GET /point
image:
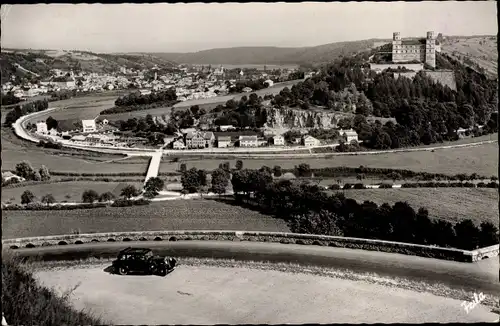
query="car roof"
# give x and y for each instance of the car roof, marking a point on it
(135, 251)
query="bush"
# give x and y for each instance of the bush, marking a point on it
(347, 186)
(385, 186)
(25, 302)
(127, 202)
(359, 186)
(27, 197)
(334, 187)
(90, 196)
(107, 196)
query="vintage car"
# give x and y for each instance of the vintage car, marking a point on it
(142, 260)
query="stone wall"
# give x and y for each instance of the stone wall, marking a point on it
(444, 77)
(379, 67)
(284, 238)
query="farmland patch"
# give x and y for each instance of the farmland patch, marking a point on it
(169, 215)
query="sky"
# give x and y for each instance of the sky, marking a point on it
(194, 27)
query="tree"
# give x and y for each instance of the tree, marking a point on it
(129, 191)
(48, 199)
(90, 196)
(277, 171)
(239, 164)
(488, 234)
(303, 170)
(467, 235)
(107, 196)
(44, 173)
(183, 167)
(27, 197)
(193, 179)
(51, 123)
(25, 170)
(220, 181)
(153, 186)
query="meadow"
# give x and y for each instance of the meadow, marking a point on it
(194, 214)
(451, 204)
(207, 104)
(482, 159)
(65, 191)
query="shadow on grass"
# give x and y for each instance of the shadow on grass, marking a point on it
(111, 270)
(230, 200)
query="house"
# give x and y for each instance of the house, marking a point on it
(269, 83)
(178, 144)
(9, 175)
(223, 141)
(349, 135)
(278, 140)
(200, 140)
(310, 141)
(209, 138)
(89, 126)
(53, 132)
(78, 138)
(247, 89)
(248, 141)
(41, 127)
(226, 127)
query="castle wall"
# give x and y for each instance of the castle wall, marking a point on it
(378, 67)
(444, 77)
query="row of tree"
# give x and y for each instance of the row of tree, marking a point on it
(25, 170)
(135, 98)
(22, 109)
(308, 209)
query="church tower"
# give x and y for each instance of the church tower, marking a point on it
(430, 49)
(396, 47)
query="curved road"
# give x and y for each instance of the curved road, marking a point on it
(478, 277)
(200, 294)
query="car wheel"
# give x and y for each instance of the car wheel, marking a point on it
(162, 271)
(122, 271)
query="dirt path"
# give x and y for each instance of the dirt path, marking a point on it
(209, 295)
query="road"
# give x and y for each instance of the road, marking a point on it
(215, 295)
(479, 277)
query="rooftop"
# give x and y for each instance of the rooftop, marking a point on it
(130, 250)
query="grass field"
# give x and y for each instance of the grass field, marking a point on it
(481, 159)
(168, 215)
(79, 108)
(451, 204)
(62, 189)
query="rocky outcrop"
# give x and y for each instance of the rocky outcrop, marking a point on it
(294, 118)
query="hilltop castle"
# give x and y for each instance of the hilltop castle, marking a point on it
(423, 50)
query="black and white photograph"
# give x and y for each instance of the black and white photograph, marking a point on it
(249, 163)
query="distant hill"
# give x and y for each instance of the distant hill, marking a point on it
(477, 52)
(29, 63)
(271, 55)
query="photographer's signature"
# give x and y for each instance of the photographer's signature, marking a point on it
(478, 298)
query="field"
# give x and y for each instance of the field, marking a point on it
(79, 108)
(484, 54)
(15, 150)
(481, 159)
(207, 104)
(65, 191)
(451, 204)
(194, 214)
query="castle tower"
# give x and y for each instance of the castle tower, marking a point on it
(396, 47)
(430, 49)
